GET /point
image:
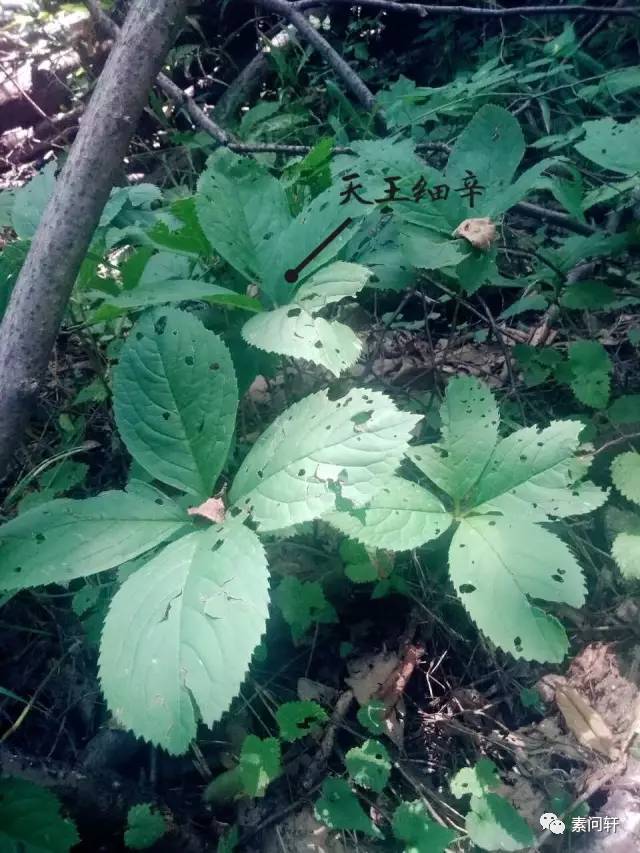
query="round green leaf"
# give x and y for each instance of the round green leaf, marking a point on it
(369, 765)
(30, 820)
(625, 472)
(420, 834)
(339, 808)
(145, 826)
(298, 719)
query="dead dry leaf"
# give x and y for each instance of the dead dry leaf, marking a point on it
(480, 232)
(368, 673)
(213, 509)
(584, 722)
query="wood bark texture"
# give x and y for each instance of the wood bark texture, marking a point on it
(43, 288)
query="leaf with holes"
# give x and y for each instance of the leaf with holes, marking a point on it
(298, 719)
(339, 808)
(317, 449)
(64, 539)
(476, 780)
(298, 331)
(175, 400)
(369, 765)
(419, 833)
(180, 633)
(500, 491)
(31, 820)
(612, 144)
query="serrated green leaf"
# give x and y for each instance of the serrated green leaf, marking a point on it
(400, 517)
(296, 330)
(470, 420)
(419, 833)
(180, 633)
(372, 716)
(591, 368)
(369, 765)
(31, 820)
(585, 295)
(625, 473)
(535, 472)
(517, 561)
(259, 764)
(291, 330)
(339, 808)
(612, 144)
(179, 290)
(625, 410)
(298, 719)
(316, 447)
(626, 548)
(145, 826)
(476, 780)
(303, 604)
(65, 539)
(494, 824)
(491, 148)
(238, 204)
(175, 400)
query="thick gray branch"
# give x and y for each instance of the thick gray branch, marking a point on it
(41, 293)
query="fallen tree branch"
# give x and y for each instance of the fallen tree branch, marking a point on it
(342, 68)
(425, 9)
(171, 90)
(41, 293)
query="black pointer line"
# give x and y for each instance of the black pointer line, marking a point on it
(293, 274)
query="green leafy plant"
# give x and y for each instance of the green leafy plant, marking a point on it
(181, 629)
(31, 820)
(145, 826)
(500, 492)
(492, 822)
(625, 473)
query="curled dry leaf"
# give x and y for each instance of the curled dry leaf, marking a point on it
(582, 720)
(213, 509)
(480, 232)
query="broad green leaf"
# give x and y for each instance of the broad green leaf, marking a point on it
(612, 144)
(339, 808)
(532, 302)
(535, 473)
(31, 820)
(291, 330)
(418, 831)
(497, 564)
(491, 148)
(331, 284)
(303, 604)
(239, 205)
(31, 200)
(65, 539)
(316, 448)
(229, 841)
(369, 765)
(494, 824)
(179, 290)
(145, 826)
(298, 719)
(295, 329)
(625, 549)
(175, 400)
(625, 410)
(511, 195)
(12, 258)
(625, 473)
(587, 295)
(180, 633)
(400, 516)
(591, 368)
(372, 716)
(426, 253)
(476, 780)
(259, 764)
(470, 419)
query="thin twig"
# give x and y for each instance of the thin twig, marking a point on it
(171, 90)
(424, 9)
(310, 34)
